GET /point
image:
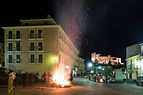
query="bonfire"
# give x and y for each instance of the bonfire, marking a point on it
(61, 76)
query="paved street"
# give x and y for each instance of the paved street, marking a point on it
(81, 87)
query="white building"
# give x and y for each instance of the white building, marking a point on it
(37, 45)
(134, 60)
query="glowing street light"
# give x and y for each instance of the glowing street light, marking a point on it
(92, 72)
(55, 59)
(99, 67)
(67, 66)
(90, 65)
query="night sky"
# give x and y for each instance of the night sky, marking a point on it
(109, 25)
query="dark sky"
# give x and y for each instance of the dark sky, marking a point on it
(111, 25)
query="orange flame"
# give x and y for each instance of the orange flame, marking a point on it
(61, 75)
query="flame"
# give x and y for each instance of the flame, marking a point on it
(61, 76)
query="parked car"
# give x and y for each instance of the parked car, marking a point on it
(111, 80)
(139, 81)
(100, 79)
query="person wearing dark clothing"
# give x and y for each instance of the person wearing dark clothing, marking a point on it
(44, 77)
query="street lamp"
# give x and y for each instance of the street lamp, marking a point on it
(55, 59)
(92, 71)
(90, 65)
(67, 66)
(99, 67)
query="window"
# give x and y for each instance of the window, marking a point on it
(32, 46)
(26, 24)
(40, 60)
(17, 46)
(18, 59)
(45, 23)
(10, 59)
(39, 33)
(40, 46)
(17, 34)
(9, 34)
(9, 46)
(32, 34)
(32, 58)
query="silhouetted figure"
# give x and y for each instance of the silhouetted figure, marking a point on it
(44, 77)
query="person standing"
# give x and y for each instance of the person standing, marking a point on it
(11, 77)
(44, 77)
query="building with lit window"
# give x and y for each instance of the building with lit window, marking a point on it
(134, 60)
(37, 45)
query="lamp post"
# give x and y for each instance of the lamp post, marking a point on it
(126, 73)
(91, 68)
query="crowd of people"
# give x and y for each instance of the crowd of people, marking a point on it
(27, 79)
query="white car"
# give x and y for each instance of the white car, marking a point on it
(111, 80)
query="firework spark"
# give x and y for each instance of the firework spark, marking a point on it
(72, 16)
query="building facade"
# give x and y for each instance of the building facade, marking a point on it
(2, 64)
(78, 69)
(37, 45)
(134, 60)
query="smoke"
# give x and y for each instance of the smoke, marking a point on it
(71, 15)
